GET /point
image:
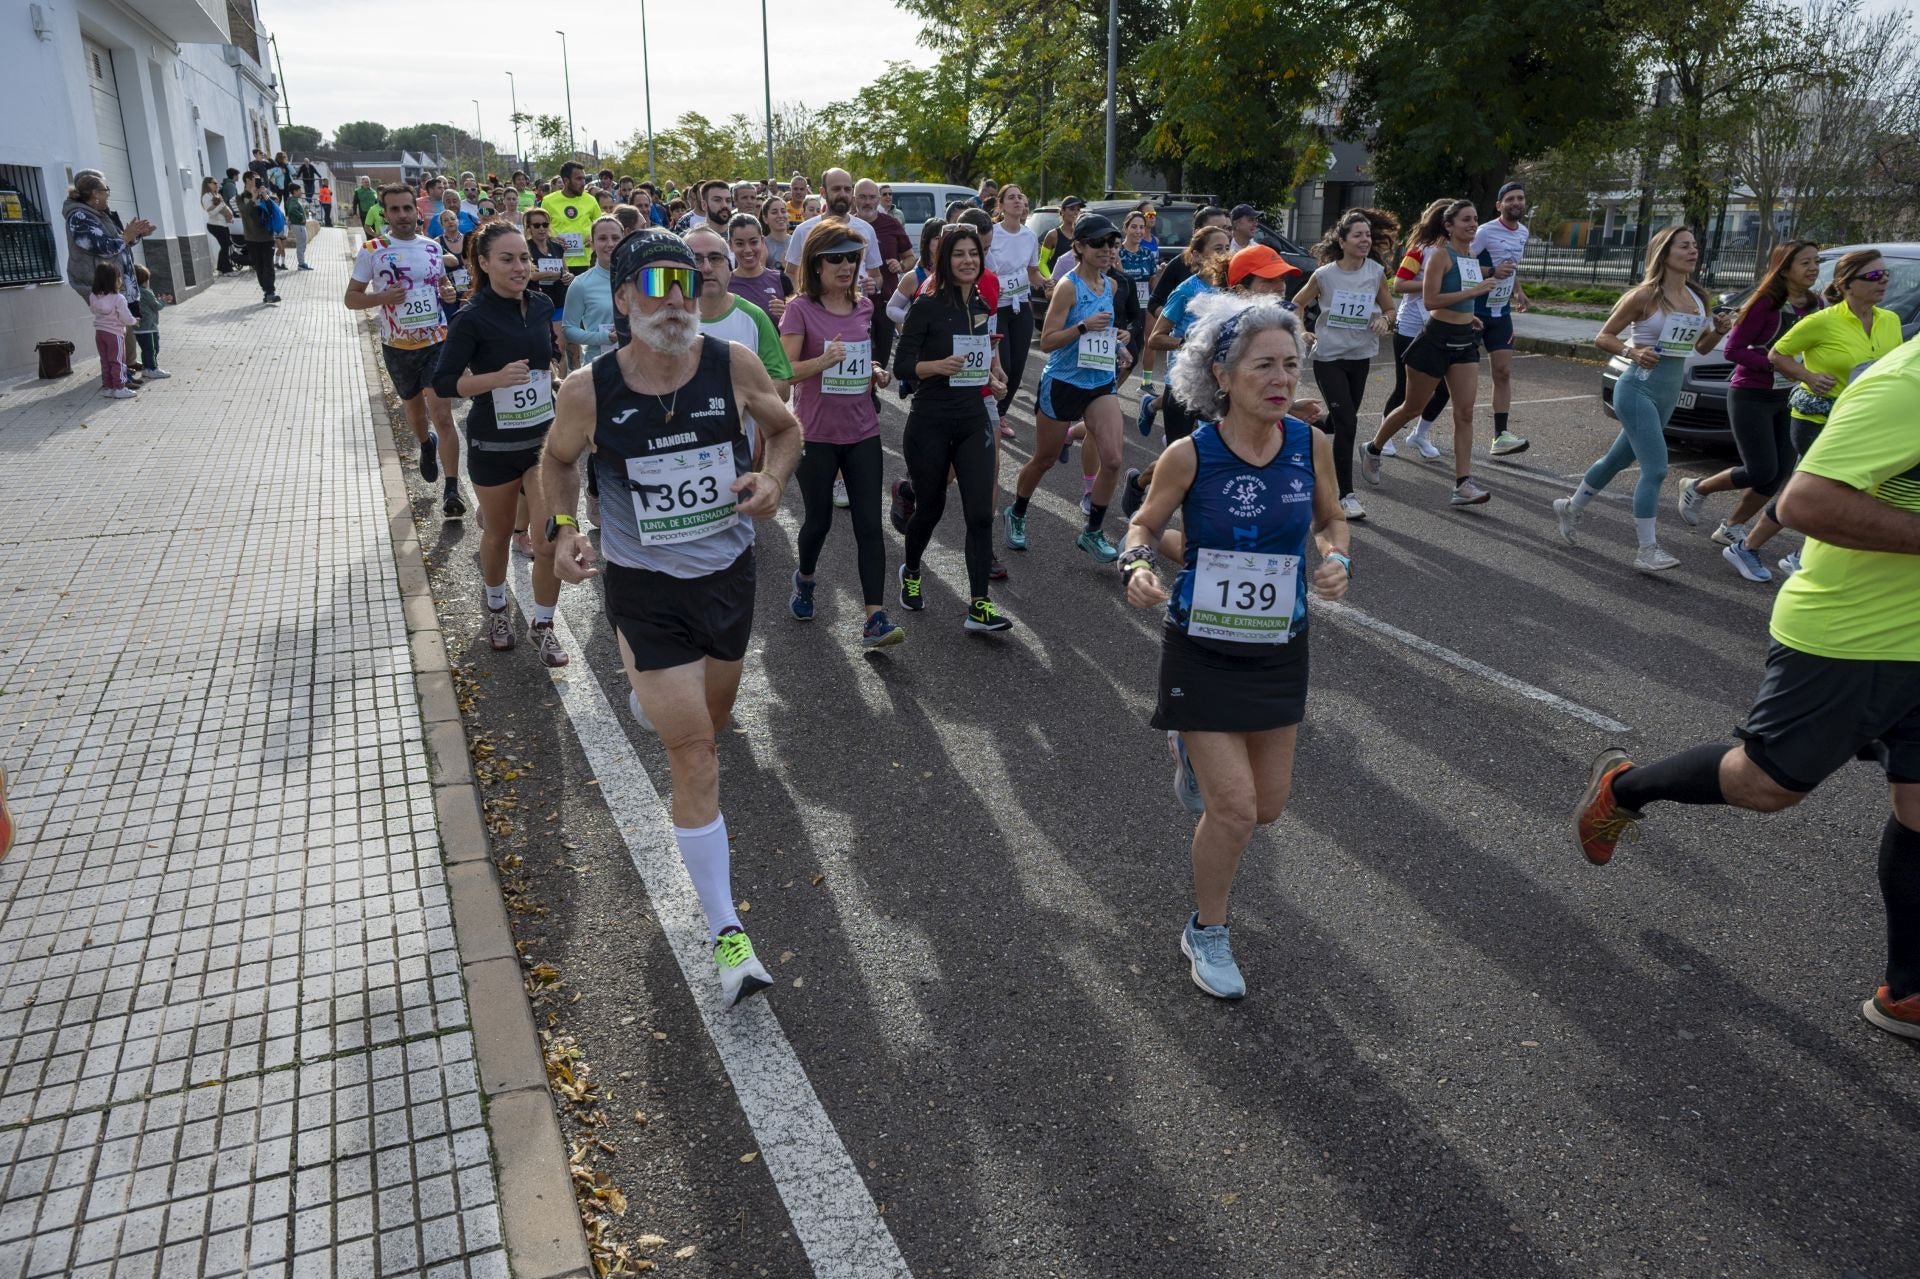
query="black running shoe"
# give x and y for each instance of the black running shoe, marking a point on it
(453, 506)
(910, 590)
(902, 508)
(430, 457)
(1131, 493)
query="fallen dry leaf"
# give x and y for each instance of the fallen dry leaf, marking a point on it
(685, 1253)
(749, 1157)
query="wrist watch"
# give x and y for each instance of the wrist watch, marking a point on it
(557, 522)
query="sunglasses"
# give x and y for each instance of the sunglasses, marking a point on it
(1104, 242)
(838, 259)
(538, 226)
(658, 281)
(1874, 277)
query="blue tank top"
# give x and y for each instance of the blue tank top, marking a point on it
(1450, 281)
(1064, 364)
(1234, 505)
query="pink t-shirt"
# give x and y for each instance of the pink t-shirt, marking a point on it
(831, 418)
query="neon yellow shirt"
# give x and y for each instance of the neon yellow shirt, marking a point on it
(1833, 341)
(1862, 605)
(573, 218)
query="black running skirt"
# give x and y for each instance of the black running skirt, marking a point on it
(1203, 690)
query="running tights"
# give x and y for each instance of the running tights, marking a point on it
(932, 443)
(1343, 384)
(1762, 431)
(1436, 403)
(1900, 891)
(861, 464)
(1016, 338)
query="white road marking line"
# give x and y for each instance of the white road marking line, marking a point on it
(833, 1212)
(1346, 612)
(1559, 399)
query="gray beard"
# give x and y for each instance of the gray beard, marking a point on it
(668, 333)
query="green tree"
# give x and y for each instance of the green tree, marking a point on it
(298, 139)
(546, 147)
(693, 150)
(1453, 100)
(361, 135)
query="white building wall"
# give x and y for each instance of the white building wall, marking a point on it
(180, 104)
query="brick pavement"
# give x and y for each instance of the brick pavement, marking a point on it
(233, 1033)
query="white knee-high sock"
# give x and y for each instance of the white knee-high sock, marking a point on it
(1583, 495)
(1647, 528)
(704, 850)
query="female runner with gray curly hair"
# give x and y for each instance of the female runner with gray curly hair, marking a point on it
(1252, 484)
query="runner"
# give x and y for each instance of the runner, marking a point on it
(1757, 406)
(499, 355)
(1013, 258)
(589, 320)
(1408, 282)
(730, 318)
(896, 255)
(796, 201)
(946, 350)
(404, 277)
(1843, 670)
(1670, 316)
(754, 278)
(838, 186)
(1252, 485)
(827, 335)
(1204, 264)
(552, 276)
(1351, 288)
(679, 577)
(1448, 349)
(1502, 242)
(570, 215)
(1172, 276)
(1058, 240)
(1825, 350)
(1138, 262)
(1245, 220)
(777, 229)
(1085, 359)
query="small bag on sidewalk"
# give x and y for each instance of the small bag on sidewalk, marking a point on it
(56, 358)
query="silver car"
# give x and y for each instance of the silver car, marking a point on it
(1700, 414)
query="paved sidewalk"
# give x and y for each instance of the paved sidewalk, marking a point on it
(233, 1033)
(1556, 335)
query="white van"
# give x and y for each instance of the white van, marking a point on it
(915, 202)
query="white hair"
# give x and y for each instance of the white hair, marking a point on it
(1191, 380)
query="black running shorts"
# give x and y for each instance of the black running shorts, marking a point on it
(1814, 714)
(670, 621)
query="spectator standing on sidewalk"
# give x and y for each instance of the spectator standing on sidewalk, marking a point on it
(297, 216)
(256, 222)
(146, 329)
(309, 178)
(95, 234)
(219, 213)
(111, 320)
(326, 201)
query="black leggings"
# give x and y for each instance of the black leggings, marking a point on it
(1436, 404)
(1343, 384)
(861, 463)
(1802, 434)
(1016, 338)
(260, 257)
(936, 439)
(1762, 430)
(223, 261)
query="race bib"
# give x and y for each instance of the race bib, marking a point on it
(1502, 292)
(684, 496)
(1469, 271)
(1143, 290)
(531, 404)
(550, 264)
(1350, 309)
(573, 242)
(420, 309)
(1014, 288)
(977, 350)
(1241, 597)
(853, 375)
(1096, 350)
(1680, 333)
(460, 277)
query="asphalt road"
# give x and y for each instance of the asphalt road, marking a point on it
(1464, 1052)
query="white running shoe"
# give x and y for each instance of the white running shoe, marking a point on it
(840, 493)
(1691, 500)
(1568, 515)
(1467, 493)
(1730, 534)
(1388, 450)
(1423, 443)
(1651, 559)
(1351, 508)
(119, 393)
(741, 973)
(1789, 564)
(156, 374)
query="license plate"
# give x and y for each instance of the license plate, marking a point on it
(1685, 401)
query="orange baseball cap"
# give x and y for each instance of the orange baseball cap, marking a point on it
(1260, 260)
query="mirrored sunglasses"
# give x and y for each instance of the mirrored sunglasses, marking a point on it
(658, 281)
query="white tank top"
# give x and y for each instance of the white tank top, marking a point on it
(1668, 330)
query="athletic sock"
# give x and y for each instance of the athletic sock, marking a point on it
(1648, 529)
(1691, 777)
(1426, 425)
(1373, 448)
(1499, 423)
(497, 597)
(1096, 516)
(1900, 890)
(704, 850)
(1019, 507)
(543, 614)
(1584, 494)
(453, 486)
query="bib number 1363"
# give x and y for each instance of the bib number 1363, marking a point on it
(684, 496)
(1244, 598)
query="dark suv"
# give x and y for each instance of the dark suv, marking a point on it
(1700, 415)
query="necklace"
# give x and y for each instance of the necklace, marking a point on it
(669, 409)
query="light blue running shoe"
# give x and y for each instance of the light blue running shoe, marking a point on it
(1016, 529)
(1186, 787)
(1095, 543)
(1747, 563)
(1211, 959)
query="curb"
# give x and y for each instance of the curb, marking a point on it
(538, 1213)
(1557, 346)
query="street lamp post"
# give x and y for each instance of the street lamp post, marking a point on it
(513, 96)
(766, 77)
(646, 80)
(568, 72)
(1113, 45)
(480, 138)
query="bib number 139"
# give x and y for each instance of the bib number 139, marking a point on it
(1243, 598)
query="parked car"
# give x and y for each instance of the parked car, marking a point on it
(1173, 226)
(915, 202)
(1700, 414)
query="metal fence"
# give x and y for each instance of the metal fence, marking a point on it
(1613, 265)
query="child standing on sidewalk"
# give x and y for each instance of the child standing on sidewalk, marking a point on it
(147, 331)
(111, 320)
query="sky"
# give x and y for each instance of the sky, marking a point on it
(408, 64)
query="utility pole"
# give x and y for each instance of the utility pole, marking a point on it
(479, 138)
(646, 81)
(766, 78)
(513, 96)
(281, 72)
(1113, 62)
(568, 72)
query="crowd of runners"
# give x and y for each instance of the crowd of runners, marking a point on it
(694, 352)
